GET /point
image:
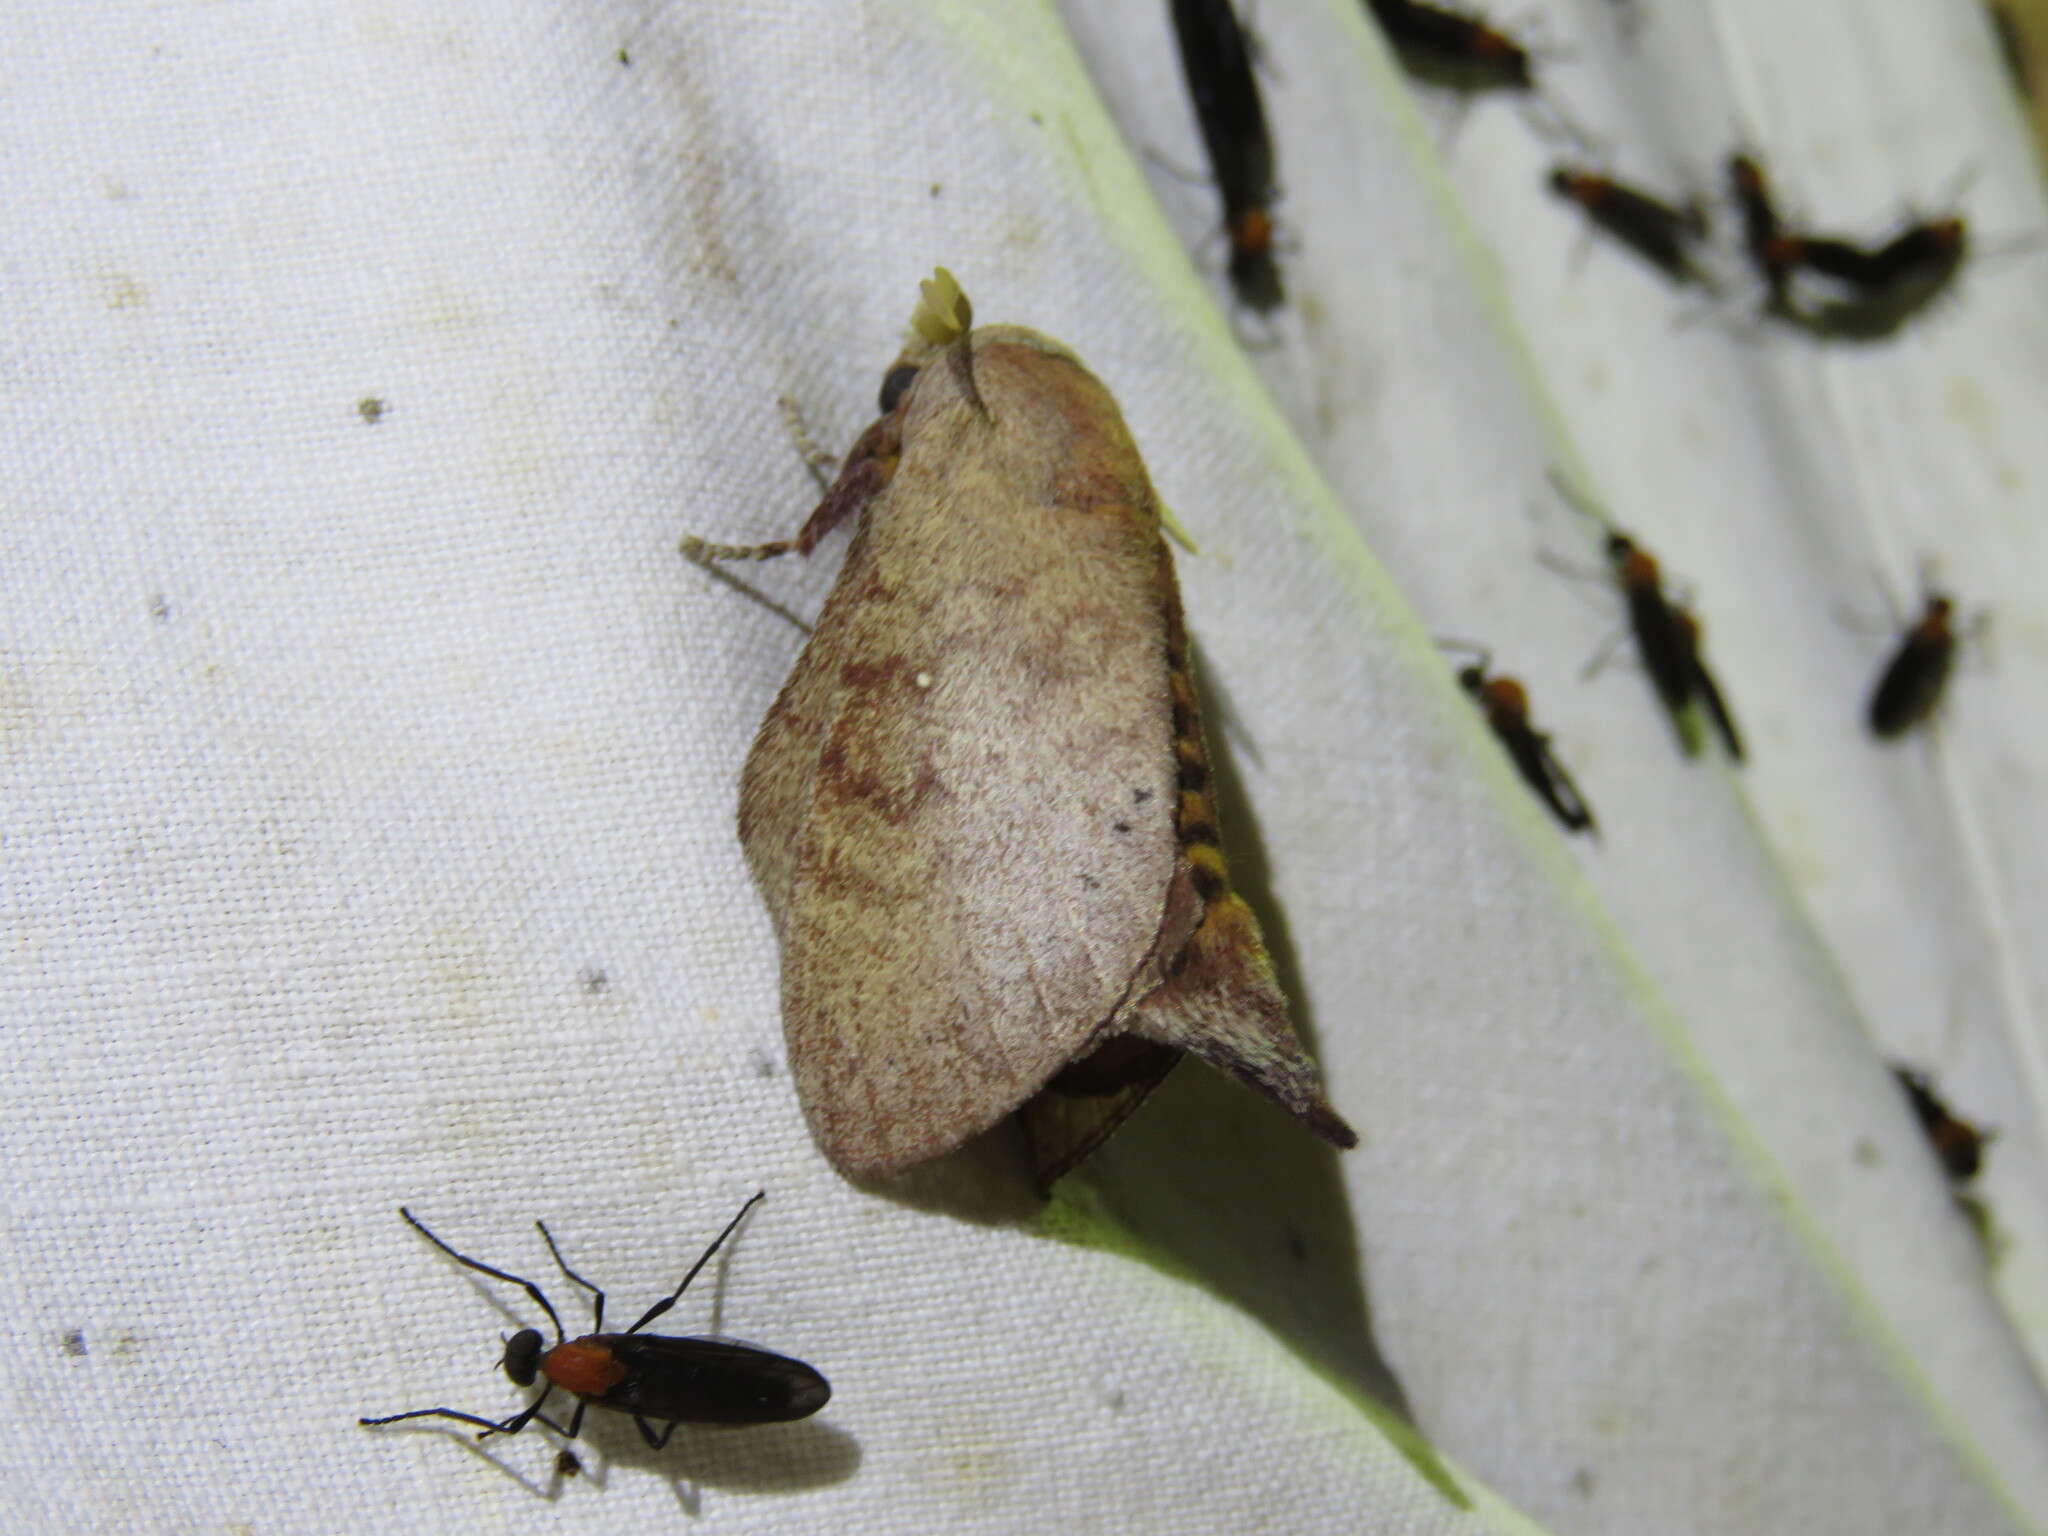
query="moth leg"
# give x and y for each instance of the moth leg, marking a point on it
(866, 472)
(702, 552)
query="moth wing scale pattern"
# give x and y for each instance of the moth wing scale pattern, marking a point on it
(977, 720)
(978, 810)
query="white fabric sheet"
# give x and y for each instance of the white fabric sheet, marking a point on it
(369, 770)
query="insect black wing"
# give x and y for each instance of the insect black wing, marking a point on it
(1925, 253)
(1661, 642)
(1717, 707)
(1958, 1144)
(1233, 119)
(710, 1381)
(1414, 25)
(1843, 260)
(1654, 230)
(1553, 785)
(1911, 685)
(1445, 47)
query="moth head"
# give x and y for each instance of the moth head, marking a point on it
(942, 316)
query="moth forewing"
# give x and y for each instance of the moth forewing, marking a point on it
(978, 811)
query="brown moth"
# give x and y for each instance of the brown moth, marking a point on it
(979, 811)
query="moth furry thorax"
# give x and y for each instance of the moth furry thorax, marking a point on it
(980, 811)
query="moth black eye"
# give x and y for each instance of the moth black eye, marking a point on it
(899, 380)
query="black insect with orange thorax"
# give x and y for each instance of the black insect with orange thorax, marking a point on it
(1446, 47)
(1505, 704)
(1847, 287)
(1959, 1144)
(1666, 632)
(1704, 686)
(1773, 250)
(653, 1377)
(980, 810)
(1662, 235)
(1921, 253)
(1912, 682)
(1218, 65)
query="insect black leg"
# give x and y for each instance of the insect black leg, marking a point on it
(647, 1433)
(484, 1269)
(524, 1417)
(548, 1238)
(669, 1300)
(511, 1426)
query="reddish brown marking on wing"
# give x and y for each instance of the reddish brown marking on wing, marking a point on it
(962, 918)
(893, 802)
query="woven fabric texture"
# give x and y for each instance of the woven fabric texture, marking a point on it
(368, 757)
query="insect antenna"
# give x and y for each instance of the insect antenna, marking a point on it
(539, 1296)
(532, 1411)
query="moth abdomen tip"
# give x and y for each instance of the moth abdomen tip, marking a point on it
(1331, 1127)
